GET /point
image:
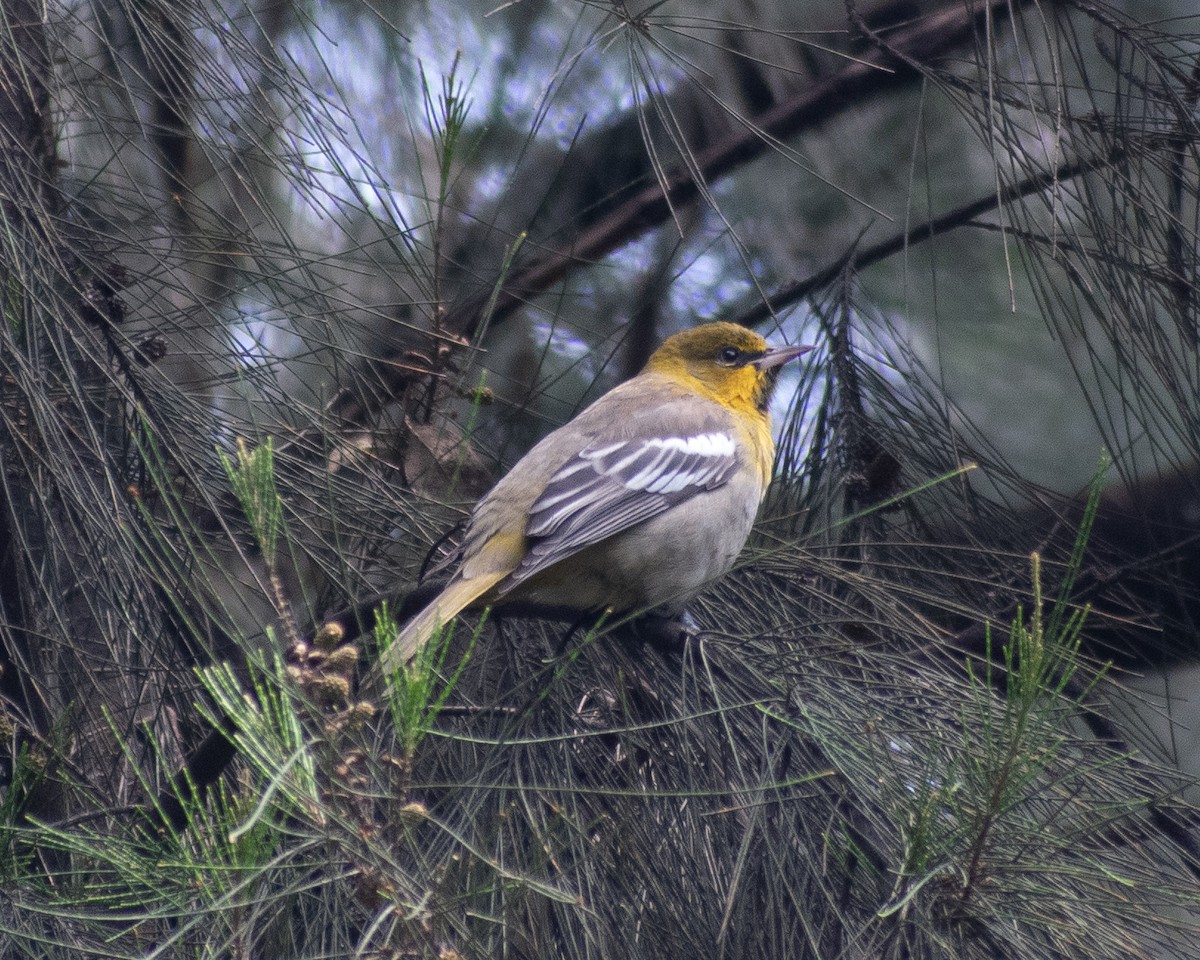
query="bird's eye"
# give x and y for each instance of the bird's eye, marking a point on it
(728, 356)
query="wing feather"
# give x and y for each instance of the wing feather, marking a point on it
(604, 490)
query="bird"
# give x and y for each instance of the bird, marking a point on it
(637, 503)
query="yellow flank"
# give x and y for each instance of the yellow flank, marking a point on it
(502, 553)
(763, 442)
(639, 501)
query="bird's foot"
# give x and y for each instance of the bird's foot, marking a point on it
(667, 632)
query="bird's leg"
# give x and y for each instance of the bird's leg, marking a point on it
(587, 623)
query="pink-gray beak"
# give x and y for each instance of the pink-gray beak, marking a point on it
(777, 356)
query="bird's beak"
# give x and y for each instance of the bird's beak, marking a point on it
(777, 356)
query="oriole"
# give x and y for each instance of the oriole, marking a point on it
(636, 503)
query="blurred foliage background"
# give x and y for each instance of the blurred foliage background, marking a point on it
(285, 287)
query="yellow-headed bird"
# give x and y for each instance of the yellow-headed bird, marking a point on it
(638, 502)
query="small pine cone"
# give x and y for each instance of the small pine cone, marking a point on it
(113, 276)
(314, 658)
(330, 689)
(99, 304)
(364, 708)
(330, 636)
(343, 660)
(361, 712)
(149, 350)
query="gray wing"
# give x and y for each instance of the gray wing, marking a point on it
(605, 489)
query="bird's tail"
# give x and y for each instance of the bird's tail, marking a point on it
(459, 595)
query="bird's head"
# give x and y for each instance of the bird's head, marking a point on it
(725, 361)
